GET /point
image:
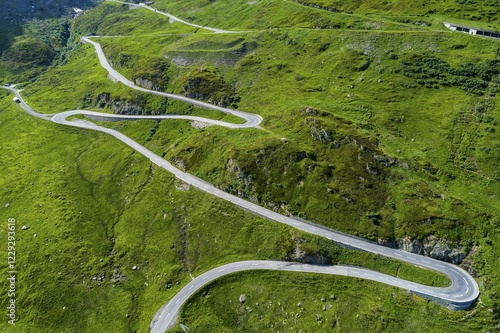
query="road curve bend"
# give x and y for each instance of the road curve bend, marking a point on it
(460, 294)
(167, 315)
(252, 120)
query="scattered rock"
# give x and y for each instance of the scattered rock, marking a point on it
(7, 205)
(319, 132)
(25, 227)
(312, 111)
(371, 170)
(243, 298)
(387, 161)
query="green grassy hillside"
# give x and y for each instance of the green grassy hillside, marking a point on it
(378, 122)
(34, 35)
(476, 10)
(94, 210)
(334, 14)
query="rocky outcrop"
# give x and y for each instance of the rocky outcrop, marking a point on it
(385, 160)
(241, 182)
(118, 106)
(125, 107)
(318, 132)
(439, 249)
(430, 246)
(467, 262)
(299, 255)
(311, 111)
(148, 84)
(209, 85)
(178, 162)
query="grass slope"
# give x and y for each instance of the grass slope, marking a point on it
(107, 207)
(373, 125)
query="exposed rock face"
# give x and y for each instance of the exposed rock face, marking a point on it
(297, 254)
(409, 245)
(178, 163)
(209, 85)
(439, 249)
(148, 84)
(118, 106)
(431, 246)
(125, 107)
(467, 262)
(241, 181)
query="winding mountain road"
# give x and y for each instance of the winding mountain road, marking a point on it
(174, 18)
(460, 294)
(252, 120)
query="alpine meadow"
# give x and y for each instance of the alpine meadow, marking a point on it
(374, 121)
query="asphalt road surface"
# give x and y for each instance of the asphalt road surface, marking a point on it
(252, 120)
(460, 294)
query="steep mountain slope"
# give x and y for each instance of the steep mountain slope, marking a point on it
(14, 13)
(377, 121)
(34, 34)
